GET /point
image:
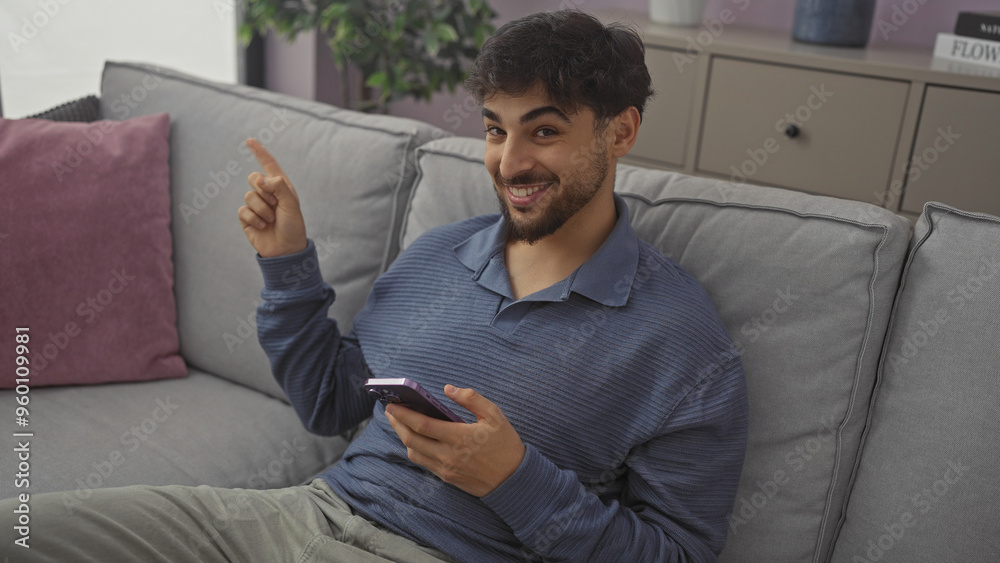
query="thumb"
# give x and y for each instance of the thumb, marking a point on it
(472, 402)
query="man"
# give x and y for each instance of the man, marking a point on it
(604, 404)
(625, 446)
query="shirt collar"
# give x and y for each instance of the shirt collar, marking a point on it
(606, 277)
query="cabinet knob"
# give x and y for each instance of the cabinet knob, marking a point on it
(792, 131)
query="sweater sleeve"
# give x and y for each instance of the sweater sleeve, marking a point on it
(320, 370)
(679, 488)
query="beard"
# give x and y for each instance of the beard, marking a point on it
(560, 202)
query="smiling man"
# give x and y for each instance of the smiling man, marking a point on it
(604, 404)
(624, 444)
(551, 173)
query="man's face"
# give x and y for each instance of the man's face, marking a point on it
(546, 165)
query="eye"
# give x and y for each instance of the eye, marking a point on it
(494, 131)
(546, 132)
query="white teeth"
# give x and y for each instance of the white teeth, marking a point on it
(524, 192)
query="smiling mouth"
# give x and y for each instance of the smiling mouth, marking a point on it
(522, 196)
(524, 192)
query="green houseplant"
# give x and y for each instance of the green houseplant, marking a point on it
(411, 48)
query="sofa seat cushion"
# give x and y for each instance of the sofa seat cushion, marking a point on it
(928, 485)
(804, 285)
(352, 172)
(202, 430)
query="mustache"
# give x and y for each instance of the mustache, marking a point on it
(524, 178)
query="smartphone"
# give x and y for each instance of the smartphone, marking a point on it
(410, 394)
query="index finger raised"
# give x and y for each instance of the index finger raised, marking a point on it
(267, 162)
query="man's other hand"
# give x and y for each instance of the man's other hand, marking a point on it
(272, 218)
(476, 457)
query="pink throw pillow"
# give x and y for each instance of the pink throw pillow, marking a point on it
(86, 251)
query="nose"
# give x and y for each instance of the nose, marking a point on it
(516, 157)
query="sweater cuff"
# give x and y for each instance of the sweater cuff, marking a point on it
(291, 271)
(529, 499)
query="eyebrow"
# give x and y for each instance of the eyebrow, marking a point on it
(531, 115)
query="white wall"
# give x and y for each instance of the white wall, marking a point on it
(53, 51)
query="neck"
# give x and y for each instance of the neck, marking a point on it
(533, 267)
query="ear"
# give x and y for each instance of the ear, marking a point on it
(626, 127)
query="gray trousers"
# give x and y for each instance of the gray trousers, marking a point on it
(204, 524)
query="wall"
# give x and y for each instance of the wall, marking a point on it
(458, 113)
(896, 22)
(900, 22)
(52, 51)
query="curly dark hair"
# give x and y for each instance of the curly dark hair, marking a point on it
(578, 60)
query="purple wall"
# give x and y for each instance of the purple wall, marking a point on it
(909, 22)
(458, 113)
(901, 22)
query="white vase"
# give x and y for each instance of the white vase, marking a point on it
(676, 12)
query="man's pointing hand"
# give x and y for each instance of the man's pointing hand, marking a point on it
(272, 218)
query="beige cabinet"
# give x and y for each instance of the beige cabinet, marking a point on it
(665, 120)
(887, 125)
(956, 154)
(822, 132)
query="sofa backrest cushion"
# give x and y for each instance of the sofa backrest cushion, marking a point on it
(351, 171)
(927, 487)
(803, 283)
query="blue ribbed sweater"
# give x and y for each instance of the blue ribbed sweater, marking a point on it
(628, 395)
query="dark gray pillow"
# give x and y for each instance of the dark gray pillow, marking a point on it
(85, 109)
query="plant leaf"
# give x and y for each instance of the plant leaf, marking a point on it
(446, 32)
(378, 80)
(404, 48)
(432, 43)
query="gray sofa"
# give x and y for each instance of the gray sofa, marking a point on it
(870, 347)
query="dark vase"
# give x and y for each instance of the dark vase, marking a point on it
(846, 23)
